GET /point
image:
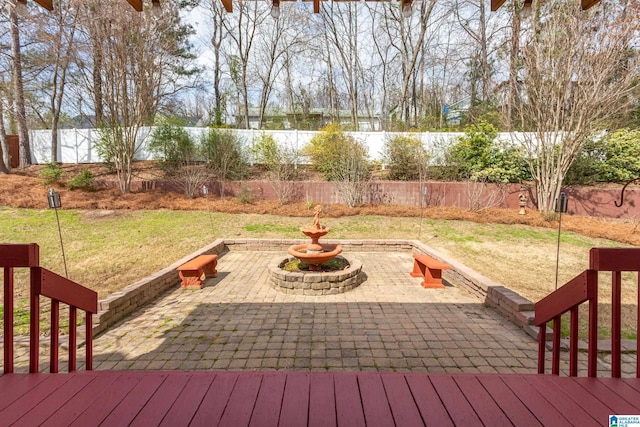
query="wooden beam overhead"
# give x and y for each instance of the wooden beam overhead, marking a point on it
(586, 4)
(137, 4)
(47, 4)
(227, 5)
(496, 4)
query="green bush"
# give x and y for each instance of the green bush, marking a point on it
(180, 158)
(613, 158)
(332, 150)
(173, 147)
(280, 163)
(406, 158)
(477, 156)
(587, 166)
(224, 154)
(82, 181)
(622, 156)
(51, 173)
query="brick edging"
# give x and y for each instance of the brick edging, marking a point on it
(508, 303)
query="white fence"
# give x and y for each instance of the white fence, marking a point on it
(78, 145)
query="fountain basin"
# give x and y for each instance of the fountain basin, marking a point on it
(315, 282)
(315, 254)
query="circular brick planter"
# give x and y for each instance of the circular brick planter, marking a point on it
(315, 282)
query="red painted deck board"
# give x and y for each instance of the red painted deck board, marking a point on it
(618, 404)
(18, 385)
(295, 404)
(374, 401)
(429, 404)
(45, 409)
(32, 398)
(215, 401)
(267, 409)
(242, 401)
(458, 407)
(135, 400)
(187, 403)
(532, 399)
(160, 402)
(584, 398)
(68, 412)
(348, 404)
(300, 398)
(403, 408)
(322, 401)
(480, 400)
(624, 390)
(512, 405)
(560, 401)
(108, 401)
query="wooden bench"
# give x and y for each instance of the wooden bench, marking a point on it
(191, 272)
(430, 269)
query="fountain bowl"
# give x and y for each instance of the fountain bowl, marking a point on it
(315, 254)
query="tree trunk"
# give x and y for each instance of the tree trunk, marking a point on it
(514, 64)
(18, 88)
(4, 146)
(98, 99)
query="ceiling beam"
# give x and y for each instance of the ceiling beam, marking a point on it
(137, 4)
(47, 4)
(586, 4)
(227, 5)
(495, 4)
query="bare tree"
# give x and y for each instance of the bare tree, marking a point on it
(482, 30)
(58, 38)
(18, 86)
(580, 70)
(4, 146)
(407, 36)
(340, 26)
(279, 39)
(143, 59)
(514, 63)
(217, 38)
(242, 29)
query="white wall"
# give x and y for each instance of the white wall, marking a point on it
(78, 145)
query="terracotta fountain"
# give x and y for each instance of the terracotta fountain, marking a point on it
(314, 254)
(315, 280)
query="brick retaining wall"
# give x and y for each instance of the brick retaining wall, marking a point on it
(597, 201)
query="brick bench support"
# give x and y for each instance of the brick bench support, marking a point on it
(191, 272)
(429, 268)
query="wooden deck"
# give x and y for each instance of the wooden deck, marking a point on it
(210, 398)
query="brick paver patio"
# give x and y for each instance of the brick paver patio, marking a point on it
(389, 323)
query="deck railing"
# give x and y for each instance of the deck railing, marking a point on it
(60, 290)
(584, 288)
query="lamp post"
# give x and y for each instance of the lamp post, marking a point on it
(54, 203)
(561, 207)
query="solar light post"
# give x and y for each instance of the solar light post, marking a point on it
(54, 203)
(561, 207)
